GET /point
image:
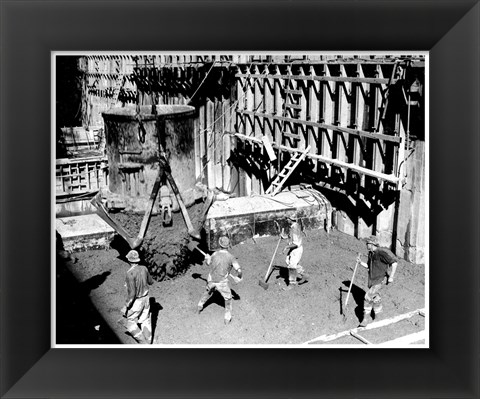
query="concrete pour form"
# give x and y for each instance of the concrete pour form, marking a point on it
(255, 216)
(80, 233)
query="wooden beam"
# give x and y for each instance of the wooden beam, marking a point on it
(390, 178)
(318, 78)
(413, 62)
(406, 339)
(356, 132)
(375, 324)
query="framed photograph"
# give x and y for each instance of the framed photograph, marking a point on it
(268, 184)
(187, 167)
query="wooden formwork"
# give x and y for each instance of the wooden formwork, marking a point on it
(80, 175)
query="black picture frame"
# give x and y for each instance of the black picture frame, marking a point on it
(31, 30)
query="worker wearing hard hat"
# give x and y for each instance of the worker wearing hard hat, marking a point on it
(381, 265)
(222, 263)
(137, 306)
(294, 249)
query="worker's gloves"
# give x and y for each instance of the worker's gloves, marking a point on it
(390, 280)
(208, 258)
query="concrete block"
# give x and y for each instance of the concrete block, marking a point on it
(250, 217)
(80, 233)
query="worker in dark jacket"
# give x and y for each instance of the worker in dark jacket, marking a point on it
(381, 265)
(137, 306)
(222, 263)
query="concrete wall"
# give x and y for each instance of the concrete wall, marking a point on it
(411, 228)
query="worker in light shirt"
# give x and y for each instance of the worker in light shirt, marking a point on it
(222, 262)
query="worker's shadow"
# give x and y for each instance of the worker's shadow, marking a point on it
(357, 294)
(155, 308)
(282, 273)
(94, 282)
(121, 246)
(216, 297)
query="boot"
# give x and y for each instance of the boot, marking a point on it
(228, 311)
(364, 321)
(303, 279)
(291, 285)
(376, 314)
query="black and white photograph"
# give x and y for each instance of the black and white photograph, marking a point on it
(240, 199)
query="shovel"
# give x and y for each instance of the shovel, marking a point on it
(264, 283)
(350, 286)
(194, 245)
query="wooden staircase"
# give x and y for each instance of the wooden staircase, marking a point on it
(282, 177)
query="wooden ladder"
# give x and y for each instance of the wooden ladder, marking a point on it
(282, 177)
(292, 106)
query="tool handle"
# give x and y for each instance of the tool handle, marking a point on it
(351, 282)
(181, 204)
(360, 338)
(148, 213)
(271, 262)
(199, 250)
(192, 246)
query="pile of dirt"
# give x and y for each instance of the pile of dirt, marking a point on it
(165, 247)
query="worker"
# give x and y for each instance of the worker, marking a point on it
(222, 262)
(166, 205)
(137, 306)
(294, 249)
(381, 265)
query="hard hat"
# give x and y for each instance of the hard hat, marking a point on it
(224, 241)
(133, 257)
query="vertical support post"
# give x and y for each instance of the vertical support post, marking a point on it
(315, 134)
(328, 115)
(210, 150)
(269, 99)
(258, 106)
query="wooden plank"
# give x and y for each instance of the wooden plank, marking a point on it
(319, 78)
(294, 106)
(375, 324)
(197, 152)
(357, 132)
(415, 62)
(210, 126)
(406, 339)
(292, 135)
(313, 103)
(365, 171)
